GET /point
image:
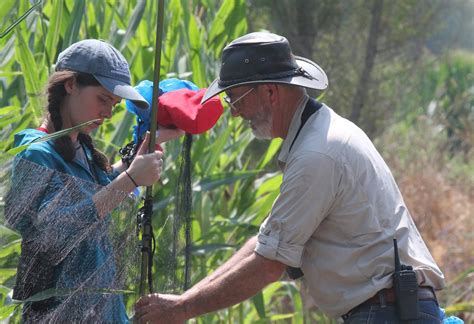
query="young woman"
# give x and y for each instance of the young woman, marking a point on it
(63, 191)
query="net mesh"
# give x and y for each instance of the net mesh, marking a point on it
(182, 224)
(80, 260)
(75, 266)
(173, 231)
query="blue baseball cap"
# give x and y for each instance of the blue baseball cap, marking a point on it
(105, 63)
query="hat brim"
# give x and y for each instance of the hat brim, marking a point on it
(123, 90)
(315, 79)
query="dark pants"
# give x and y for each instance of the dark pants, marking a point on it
(387, 314)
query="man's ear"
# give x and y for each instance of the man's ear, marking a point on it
(272, 92)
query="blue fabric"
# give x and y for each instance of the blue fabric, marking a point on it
(72, 242)
(450, 319)
(374, 314)
(145, 88)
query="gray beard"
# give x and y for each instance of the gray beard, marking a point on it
(263, 130)
(262, 123)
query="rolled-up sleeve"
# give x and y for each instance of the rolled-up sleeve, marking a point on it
(309, 189)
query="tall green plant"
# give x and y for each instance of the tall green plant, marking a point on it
(227, 204)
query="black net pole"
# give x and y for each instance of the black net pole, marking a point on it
(147, 231)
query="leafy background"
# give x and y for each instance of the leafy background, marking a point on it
(404, 71)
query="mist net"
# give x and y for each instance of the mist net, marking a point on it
(80, 260)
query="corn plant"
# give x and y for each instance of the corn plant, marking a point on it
(233, 188)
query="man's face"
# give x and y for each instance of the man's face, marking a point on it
(246, 103)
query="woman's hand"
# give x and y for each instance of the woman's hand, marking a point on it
(146, 168)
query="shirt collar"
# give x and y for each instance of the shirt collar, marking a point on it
(294, 126)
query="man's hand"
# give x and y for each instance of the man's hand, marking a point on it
(159, 308)
(164, 134)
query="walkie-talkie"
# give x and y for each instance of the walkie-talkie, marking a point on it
(405, 284)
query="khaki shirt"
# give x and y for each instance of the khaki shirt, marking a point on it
(338, 211)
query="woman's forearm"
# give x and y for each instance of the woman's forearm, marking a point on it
(110, 196)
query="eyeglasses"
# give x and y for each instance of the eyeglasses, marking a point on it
(232, 103)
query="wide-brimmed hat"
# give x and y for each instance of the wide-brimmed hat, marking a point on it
(264, 58)
(105, 63)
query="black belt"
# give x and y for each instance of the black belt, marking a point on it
(387, 296)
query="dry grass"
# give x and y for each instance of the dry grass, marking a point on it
(438, 187)
(443, 212)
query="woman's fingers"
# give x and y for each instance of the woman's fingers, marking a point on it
(143, 149)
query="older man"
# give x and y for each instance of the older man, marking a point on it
(337, 214)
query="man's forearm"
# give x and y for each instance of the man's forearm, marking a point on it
(245, 251)
(235, 282)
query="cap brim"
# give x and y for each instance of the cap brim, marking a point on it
(123, 90)
(315, 79)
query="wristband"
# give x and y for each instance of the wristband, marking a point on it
(136, 185)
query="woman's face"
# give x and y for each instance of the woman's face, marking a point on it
(85, 103)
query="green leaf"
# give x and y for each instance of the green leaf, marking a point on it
(8, 110)
(195, 43)
(5, 8)
(72, 33)
(3, 292)
(6, 274)
(54, 29)
(7, 311)
(280, 317)
(259, 304)
(223, 179)
(269, 183)
(124, 123)
(52, 292)
(7, 235)
(133, 23)
(10, 248)
(50, 137)
(161, 204)
(172, 36)
(216, 150)
(10, 74)
(229, 23)
(270, 153)
(218, 31)
(30, 74)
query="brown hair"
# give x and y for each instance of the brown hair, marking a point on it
(56, 92)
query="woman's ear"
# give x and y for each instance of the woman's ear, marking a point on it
(70, 86)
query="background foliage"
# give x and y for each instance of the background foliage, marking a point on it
(389, 71)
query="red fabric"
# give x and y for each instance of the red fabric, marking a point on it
(182, 109)
(42, 129)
